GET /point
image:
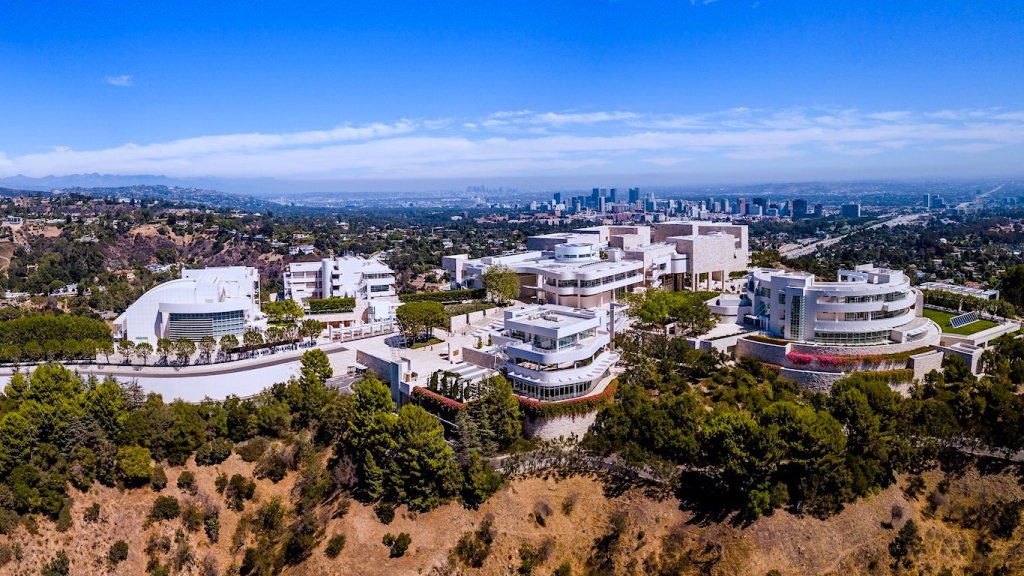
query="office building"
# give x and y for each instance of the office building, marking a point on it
(799, 209)
(850, 210)
(343, 276)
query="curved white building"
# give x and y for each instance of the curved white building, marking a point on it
(203, 302)
(868, 319)
(864, 306)
(555, 352)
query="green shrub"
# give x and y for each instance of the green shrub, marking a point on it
(239, 489)
(158, 478)
(385, 512)
(214, 452)
(187, 482)
(118, 552)
(59, 566)
(211, 523)
(333, 304)
(220, 483)
(92, 513)
(133, 464)
(474, 547)
(192, 517)
(272, 465)
(6, 554)
(64, 520)
(335, 545)
(398, 544)
(447, 296)
(252, 450)
(165, 508)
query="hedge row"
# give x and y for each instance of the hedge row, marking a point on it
(333, 304)
(41, 328)
(445, 296)
(884, 376)
(437, 403)
(967, 303)
(537, 409)
(453, 310)
(766, 339)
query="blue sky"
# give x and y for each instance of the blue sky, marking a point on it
(727, 89)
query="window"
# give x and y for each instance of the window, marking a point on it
(796, 321)
(852, 338)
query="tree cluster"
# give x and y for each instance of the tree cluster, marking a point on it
(743, 437)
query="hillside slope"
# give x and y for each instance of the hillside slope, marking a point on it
(579, 525)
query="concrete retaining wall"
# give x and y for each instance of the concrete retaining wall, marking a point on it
(811, 380)
(463, 320)
(924, 363)
(763, 351)
(481, 358)
(559, 426)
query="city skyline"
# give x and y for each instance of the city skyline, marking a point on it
(688, 93)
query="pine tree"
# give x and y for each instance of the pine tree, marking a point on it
(373, 477)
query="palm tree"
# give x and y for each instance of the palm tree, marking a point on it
(142, 351)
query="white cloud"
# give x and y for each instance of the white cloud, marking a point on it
(524, 143)
(123, 81)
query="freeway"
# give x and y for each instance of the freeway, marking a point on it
(798, 250)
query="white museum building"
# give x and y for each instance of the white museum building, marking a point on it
(554, 352)
(203, 302)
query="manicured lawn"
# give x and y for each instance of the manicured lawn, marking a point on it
(426, 343)
(942, 319)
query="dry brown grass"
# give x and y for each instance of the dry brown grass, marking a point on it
(6, 253)
(851, 543)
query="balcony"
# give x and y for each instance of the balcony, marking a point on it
(553, 378)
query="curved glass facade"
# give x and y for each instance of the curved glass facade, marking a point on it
(196, 325)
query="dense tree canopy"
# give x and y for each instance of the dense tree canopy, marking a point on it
(501, 283)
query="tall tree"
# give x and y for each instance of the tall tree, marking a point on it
(125, 347)
(184, 349)
(496, 414)
(207, 344)
(164, 348)
(142, 351)
(423, 472)
(1011, 286)
(501, 283)
(310, 328)
(373, 423)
